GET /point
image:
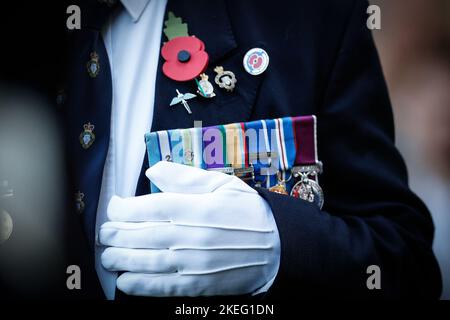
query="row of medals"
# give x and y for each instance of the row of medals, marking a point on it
(306, 186)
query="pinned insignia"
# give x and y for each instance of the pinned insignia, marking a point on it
(256, 61)
(205, 88)
(79, 203)
(185, 59)
(185, 56)
(93, 65)
(225, 79)
(87, 137)
(181, 98)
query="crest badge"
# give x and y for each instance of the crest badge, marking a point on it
(87, 136)
(93, 65)
(79, 203)
(225, 79)
(205, 88)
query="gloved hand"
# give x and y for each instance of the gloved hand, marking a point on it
(206, 233)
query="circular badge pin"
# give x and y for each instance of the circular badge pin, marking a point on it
(256, 61)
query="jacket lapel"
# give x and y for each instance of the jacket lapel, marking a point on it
(209, 21)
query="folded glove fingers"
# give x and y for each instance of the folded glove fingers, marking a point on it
(183, 261)
(232, 210)
(178, 178)
(246, 211)
(150, 235)
(198, 262)
(157, 235)
(228, 282)
(153, 207)
(139, 260)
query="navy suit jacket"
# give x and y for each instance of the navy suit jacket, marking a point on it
(323, 62)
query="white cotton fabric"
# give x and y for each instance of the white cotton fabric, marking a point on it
(132, 39)
(206, 233)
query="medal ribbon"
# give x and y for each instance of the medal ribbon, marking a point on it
(287, 148)
(306, 140)
(214, 153)
(290, 141)
(197, 146)
(235, 146)
(187, 147)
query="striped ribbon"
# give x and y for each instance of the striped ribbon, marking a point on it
(290, 141)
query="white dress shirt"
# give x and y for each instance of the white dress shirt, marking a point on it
(132, 38)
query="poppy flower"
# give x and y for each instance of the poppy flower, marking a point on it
(185, 58)
(255, 61)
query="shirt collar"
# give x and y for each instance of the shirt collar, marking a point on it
(135, 7)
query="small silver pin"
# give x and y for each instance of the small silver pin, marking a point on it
(181, 98)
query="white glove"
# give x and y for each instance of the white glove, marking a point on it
(206, 234)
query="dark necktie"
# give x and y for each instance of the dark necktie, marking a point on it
(89, 110)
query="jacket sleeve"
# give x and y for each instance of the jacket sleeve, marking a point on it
(370, 216)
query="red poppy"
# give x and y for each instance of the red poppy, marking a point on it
(255, 61)
(185, 58)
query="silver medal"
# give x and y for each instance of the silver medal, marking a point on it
(306, 188)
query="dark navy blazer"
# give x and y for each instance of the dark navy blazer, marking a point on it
(323, 62)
